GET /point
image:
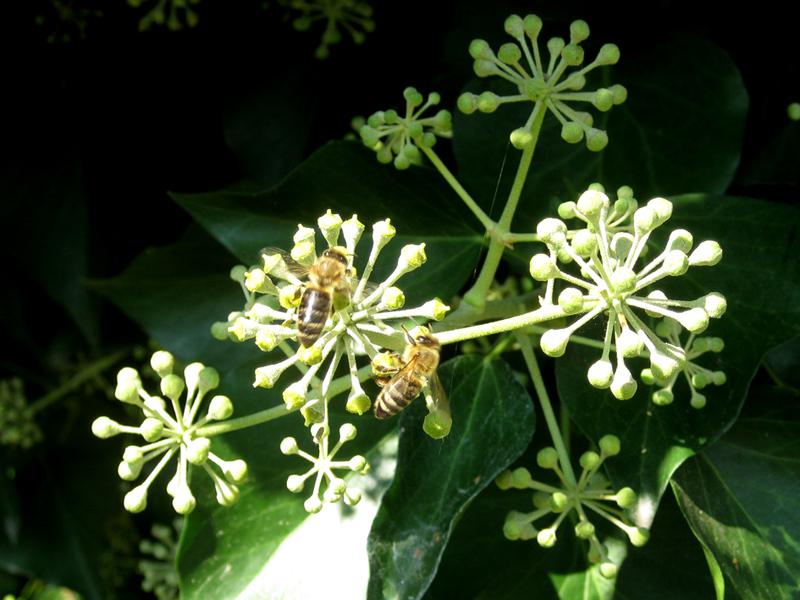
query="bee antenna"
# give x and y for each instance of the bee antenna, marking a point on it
(408, 335)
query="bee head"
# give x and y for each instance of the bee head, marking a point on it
(421, 336)
(338, 253)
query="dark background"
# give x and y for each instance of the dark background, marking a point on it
(96, 131)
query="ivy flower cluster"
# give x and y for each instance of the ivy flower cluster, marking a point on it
(357, 325)
(159, 574)
(17, 424)
(398, 138)
(547, 83)
(178, 435)
(353, 16)
(172, 13)
(606, 250)
(590, 495)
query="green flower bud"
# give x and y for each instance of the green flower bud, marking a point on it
(596, 139)
(566, 210)
(266, 340)
(629, 343)
(559, 502)
(384, 155)
(437, 424)
(191, 374)
(608, 55)
(484, 68)
(554, 341)
(578, 31)
(700, 380)
(572, 55)
(184, 502)
(664, 366)
(479, 49)
(697, 400)
(330, 224)
(154, 405)
(509, 53)
(644, 220)
(162, 363)
(584, 530)
(135, 501)
(514, 27)
(521, 478)
(172, 387)
(623, 280)
(663, 397)
(603, 99)
(600, 374)
(676, 263)
(294, 396)
(572, 133)
(132, 454)
(358, 402)
(352, 229)
(680, 239)
(219, 330)
(295, 483)
(542, 267)
(197, 450)
(625, 498)
(413, 97)
(608, 570)
(208, 379)
(623, 385)
(655, 295)
(241, 329)
(546, 538)
(289, 446)
(541, 500)
(609, 445)
(488, 102)
(638, 536)
(128, 471)
(357, 463)
(547, 458)
(401, 162)
(220, 408)
(555, 45)
(521, 138)
(382, 233)
(590, 460)
(793, 111)
(238, 273)
(104, 428)
(716, 344)
(571, 300)
(715, 304)
(434, 309)
(662, 207)
(428, 141)
(619, 94)
(235, 471)
(694, 320)
(128, 386)
(412, 256)
(409, 151)
(591, 203)
(370, 136)
(227, 495)
(532, 25)
(338, 486)
(467, 103)
(552, 232)
(584, 243)
(393, 298)
(268, 375)
(718, 378)
(151, 429)
(503, 481)
(707, 254)
(512, 529)
(352, 497)
(347, 432)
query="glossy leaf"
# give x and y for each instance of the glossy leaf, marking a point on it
(760, 277)
(347, 178)
(680, 130)
(742, 496)
(493, 422)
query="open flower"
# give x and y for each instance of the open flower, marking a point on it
(545, 81)
(173, 430)
(607, 252)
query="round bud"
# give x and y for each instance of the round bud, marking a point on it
(572, 55)
(509, 53)
(401, 162)
(135, 501)
(295, 483)
(793, 111)
(129, 471)
(554, 341)
(521, 138)
(609, 445)
(154, 405)
(584, 243)
(541, 500)
(718, 378)
(716, 344)
(638, 536)
(698, 400)
(559, 501)
(547, 458)
(584, 530)
(546, 538)
(104, 428)
(184, 502)
(384, 155)
(644, 220)
(608, 570)
(358, 402)
(623, 280)
(220, 408)
(662, 207)
(663, 366)
(715, 304)
(484, 68)
(352, 497)
(219, 330)
(162, 363)
(596, 139)
(132, 454)
(555, 45)
(619, 94)
(415, 129)
(694, 320)
(512, 529)
(503, 481)
(590, 460)
(680, 239)
(563, 256)
(413, 256)
(479, 49)
(197, 450)
(625, 498)
(707, 254)
(552, 232)
(227, 495)
(128, 386)
(467, 103)
(390, 116)
(700, 380)
(151, 429)
(629, 343)
(603, 99)
(663, 397)
(532, 25)
(572, 133)
(591, 203)
(521, 478)
(289, 446)
(172, 386)
(413, 97)
(542, 267)
(294, 396)
(514, 26)
(370, 136)
(347, 432)
(410, 151)
(623, 385)
(393, 298)
(208, 379)
(601, 373)
(428, 140)
(676, 263)
(235, 471)
(357, 463)
(608, 55)
(238, 273)
(570, 300)
(578, 31)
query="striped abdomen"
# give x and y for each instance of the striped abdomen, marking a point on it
(397, 394)
(314, 310)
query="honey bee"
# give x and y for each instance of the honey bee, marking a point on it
(419, 362)
(328, 284)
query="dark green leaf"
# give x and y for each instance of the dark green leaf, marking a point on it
(742, 497)
(778, 163)
(760, 277)
(679, 131)
(782, 361)
(346, 178)
(493, 422)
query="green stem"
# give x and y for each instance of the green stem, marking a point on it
(540, 315)
(485, 220)
(476, 295)
(88, 372)
(513, 238)
(547, 409)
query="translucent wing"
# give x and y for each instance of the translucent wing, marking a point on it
(438, 394)
(295, 268)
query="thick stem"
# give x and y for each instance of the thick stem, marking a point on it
(540, 315)
(547, 409)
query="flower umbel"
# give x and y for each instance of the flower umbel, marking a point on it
(590, 495)
(17, 424)
(392, 134)
(167, 12)
(548, 84)
(173, 432)
(607, 250)
(160, 576)
(354, 16)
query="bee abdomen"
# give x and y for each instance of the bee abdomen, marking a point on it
(314, 310)
(396, 396)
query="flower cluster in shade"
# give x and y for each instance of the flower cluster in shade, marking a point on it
(173, 428)
(175, 14)
(397, 137)
(546, 81)
(17, 424)
(159, 574)
(608, 250)
(365, 318)
(352, 16)
(64, 21)
(590, 496)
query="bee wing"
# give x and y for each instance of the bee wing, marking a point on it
(369, 287)
(295, 268)
(437, 390)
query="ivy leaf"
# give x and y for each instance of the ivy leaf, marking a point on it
(346, 178)
(778, 163)
(493, 422)
(681, 113)
(760, 277)
(742, 496)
